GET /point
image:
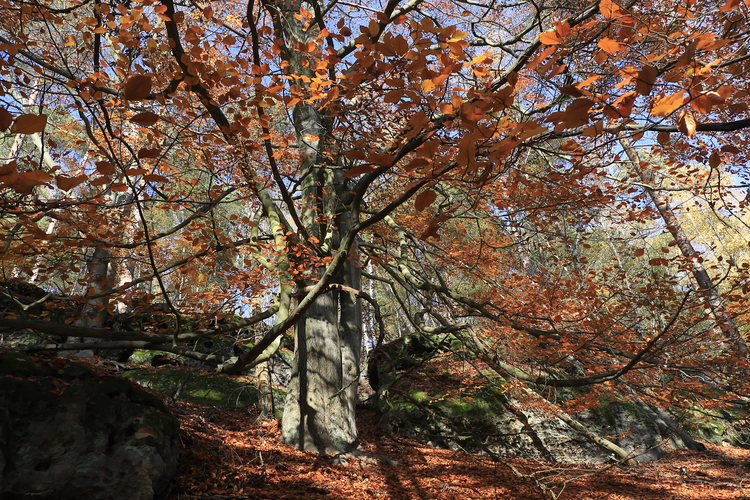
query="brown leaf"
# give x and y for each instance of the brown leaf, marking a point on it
(137, 87)
(714, 160)
(424, 199)
(67, 183)
(105, 167)
(155, 178)
(644, 82)
(29, 124)
(149, 153)
(686, 122)
(577, 113)
(145, 119)
(359, 170)
(5, 119)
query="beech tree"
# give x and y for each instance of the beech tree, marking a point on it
(462, 158)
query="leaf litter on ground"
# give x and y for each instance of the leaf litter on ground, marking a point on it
(236, 454)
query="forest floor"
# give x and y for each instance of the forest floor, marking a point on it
(234, 454)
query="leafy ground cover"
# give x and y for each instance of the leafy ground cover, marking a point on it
(234, 454)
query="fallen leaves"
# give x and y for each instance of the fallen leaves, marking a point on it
(235, 454)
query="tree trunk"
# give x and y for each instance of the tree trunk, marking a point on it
(319, 410)
(317, 416)
(94, 313)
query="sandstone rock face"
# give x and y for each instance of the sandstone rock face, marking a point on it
(70, 432)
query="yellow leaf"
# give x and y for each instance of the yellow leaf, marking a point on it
(458, 35)
(428, 86)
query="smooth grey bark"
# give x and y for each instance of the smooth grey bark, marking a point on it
(316, 414)
(319, 409)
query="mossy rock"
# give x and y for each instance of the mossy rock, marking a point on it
(197, 386)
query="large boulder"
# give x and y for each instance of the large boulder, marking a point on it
(68, 431)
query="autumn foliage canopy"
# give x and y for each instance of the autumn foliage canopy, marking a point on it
(559, 187)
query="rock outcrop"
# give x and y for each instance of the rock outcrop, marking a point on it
(68, 431)
(416, 399)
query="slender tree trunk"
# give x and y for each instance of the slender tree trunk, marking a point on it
(94, 313)
(710, 293)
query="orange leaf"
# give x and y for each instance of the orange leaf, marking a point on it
(425, 199)
(668, 104)
(550, 38)
(67, 183)
(729, 5)
(704, 103)
(625, 104)
(5, 119)
(609, 9)
(145, 119)
(644, 82)
(609, 45)
(137, 87)
(29, 124)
